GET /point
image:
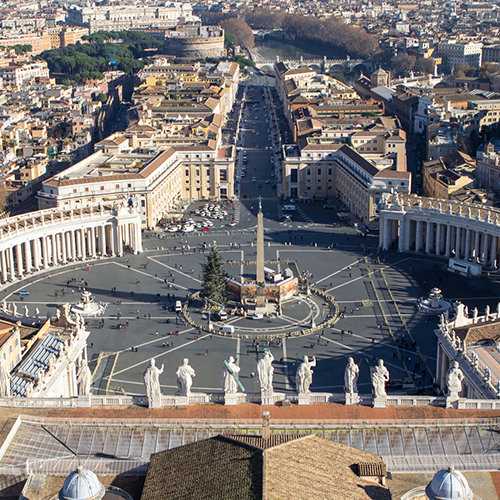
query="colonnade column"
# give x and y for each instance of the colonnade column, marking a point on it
(4, 265)
(138, 239)
(55, 255)
(493, 256)
(44, 252)
(428, 237)
(63, 247)
(102, 238)
(73, 245)
(484, 249)
(476, 247)
(78, 244)
(119, 240)
(11, 262)
(386, 243)
(27, 255)
(402, 235)
(84, 244)
(457, 243)
(448, 241)
(93, 242)
(418, 240)
(36, 253)
(19, 259)
(467, 244)
(438, 238)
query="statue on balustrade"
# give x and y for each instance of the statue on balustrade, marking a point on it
(379, 376)
(265, 372)
(303, 377)
(229, 374)
(185, 374)
(351, 375)
(84, 379)
(5, 377)
(454, 377)
(152, 382)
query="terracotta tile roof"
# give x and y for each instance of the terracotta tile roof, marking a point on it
(479, 331)
(283, 467)
(393, 174)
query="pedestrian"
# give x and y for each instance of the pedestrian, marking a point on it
(149, 315)
(156, 332)
(206, 352)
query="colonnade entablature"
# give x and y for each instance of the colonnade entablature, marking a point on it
(463, 231)
(55, 236)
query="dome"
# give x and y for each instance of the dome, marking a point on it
(82, 484)
(449, 484)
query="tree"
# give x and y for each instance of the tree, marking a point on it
(404, 62)
(102, 97)
(214, 278)
(463, 69)
(425, 65)
(462, 146)
(486, 69)
(243, 34)
(3, 197)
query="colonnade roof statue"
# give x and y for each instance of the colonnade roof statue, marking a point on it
(265, 371)
(379, 375)
(303, 377)
(185, 374)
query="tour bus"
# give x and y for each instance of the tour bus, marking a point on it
(178, 306)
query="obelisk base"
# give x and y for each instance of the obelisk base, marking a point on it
(260, 300)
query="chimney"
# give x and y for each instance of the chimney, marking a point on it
(265, 425)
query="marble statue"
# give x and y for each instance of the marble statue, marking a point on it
(486, 313)
(475, 314)
(152, 382)
(4, 305)
(14, 309)
(498, 310)
(29, 389)
(5, 377)
(487, 375)
(304, 375)
(454, 377)
(26, 311)
(351, 375)
(185, 374)
(379, 375)
(265, 372)
(84, 379)
(229, 385)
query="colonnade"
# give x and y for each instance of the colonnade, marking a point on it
(448, 229)
(53, 237)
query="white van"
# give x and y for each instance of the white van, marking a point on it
(222, 315)
(178, 306)
(227, 329)
(289, 208)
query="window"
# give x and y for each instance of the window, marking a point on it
(74, 191)
(17, 358)
(223, 175)
(86, 190)
(319, 171)
(16, 342)
(10, 349)
(330, 171)
(102, 188)
(129, 185)
(186, 172)
(294, 175)
(197, 172)
(117, 186)
(308, 171)
(208, 172)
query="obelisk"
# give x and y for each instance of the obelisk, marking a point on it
(260, 296)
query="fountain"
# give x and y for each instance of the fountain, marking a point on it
(86, 306)
(434, 304)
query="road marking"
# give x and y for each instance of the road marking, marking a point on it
(278, 259)
(238, 349)
(162, 354)
(336, 272)
(178, 271)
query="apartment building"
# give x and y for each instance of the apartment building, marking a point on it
(133, 166)
(488, 169)
(316, 168)
(455, 53)
(16, 75)
(10, 344)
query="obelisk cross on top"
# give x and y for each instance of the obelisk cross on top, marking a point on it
(260, 245)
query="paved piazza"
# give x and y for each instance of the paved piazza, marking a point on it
(352, 271)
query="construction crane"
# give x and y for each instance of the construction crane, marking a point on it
(112, 60)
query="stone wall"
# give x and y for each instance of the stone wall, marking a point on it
(195, 47)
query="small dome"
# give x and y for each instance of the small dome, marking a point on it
(449, 484)
(82, 484)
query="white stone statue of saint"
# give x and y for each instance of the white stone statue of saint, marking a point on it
(151, 378)
(379, 375)
(185, 374)
(84, 379)
(26, 311)
(304, 375)
(4, 305)
(454, 377)
(486, 313)
(265, 372)
(351, 375)
(5, 377)
(475, 314)
(229, 372)
(14, 309)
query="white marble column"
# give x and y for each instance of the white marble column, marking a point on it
(484, 249)
(476, 247)
(84, 243)
(93, 241)
(63, 247)
(494, 249)
(418, 238)
(72, 237)
(78, 244)
(55, 249)
(4, 266)
(386, 234)
(439, 227)
(113, 237)
(448, 240)
(11, 263)
(138, 238)
(457, 243)
(119, 240)
(102, 239)
(36, 253)
(428, 237)
(44, 252)
(19, 259)
(402, 235)
(27, 256)
(468, 237)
